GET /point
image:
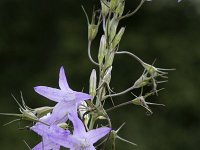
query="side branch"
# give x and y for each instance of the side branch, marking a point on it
(120, 93)
(89, 54)
(118, 106)
(132, 55)
(132, 13)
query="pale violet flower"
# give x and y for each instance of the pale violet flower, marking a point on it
(67, 98)
(80, 139)
(64, 93)
(44, 131)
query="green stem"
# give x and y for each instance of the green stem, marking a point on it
(89, 54)
(132, 13)
(118, 106)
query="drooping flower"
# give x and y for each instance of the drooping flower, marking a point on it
(80, 139)
(67, 98)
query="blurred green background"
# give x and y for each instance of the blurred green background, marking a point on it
(38, 36)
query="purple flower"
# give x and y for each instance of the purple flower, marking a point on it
(80, 140)
(46, 144)
(64, 93)
(67, 98)
(45, 131)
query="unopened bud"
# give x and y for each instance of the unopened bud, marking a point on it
(114, 135)
(92, 27)
(107, 75)
(113, 4)
(112, 29)
(118, 37)
(109, 58)
(155, 72)
(142, 81)
(83, 108)
(102, 49)
(120, 9)
(150, 69)
(41, 111)
(104, 7)
(92, 31)
(101, 117)
(139, 101)
(93, 82)
(63, 125)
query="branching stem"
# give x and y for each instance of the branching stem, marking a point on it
(132, 55)
(120, 93)
(132, 13)
(118, 106)
(89, 54)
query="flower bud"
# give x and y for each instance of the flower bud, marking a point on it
(92, 31)
(150, 69)
(102, 49)
(138, 101)
(141, 101)
(93, 82)
(142, 81)
(120, 9)
(101, 117)
(63, 125)
(104, 7)
(113, 4)
(41, 111)
(109, 59)
(118, 37)
(107, 75)
(26, 112)
(82, 110)
(112, 28)
(92, 27)
(114, 136)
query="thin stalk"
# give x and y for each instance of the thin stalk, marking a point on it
(133, 55)
(120, 93)
(118, 106)
(89, 54)
(132, 13)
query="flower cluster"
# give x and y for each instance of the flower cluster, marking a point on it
(51, 128)
(75, 119)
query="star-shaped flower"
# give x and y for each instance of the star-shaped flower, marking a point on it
(45, 131)
(67, 99)
(80, 140)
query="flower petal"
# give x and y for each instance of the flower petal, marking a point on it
(96, 134)
(90, 148)
(60, 136)
(63, 81)
(60, 111)
(46, 144)
(79, 129)
(50, 93)
(80, 97)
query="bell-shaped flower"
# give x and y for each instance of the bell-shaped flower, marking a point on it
(80, 140)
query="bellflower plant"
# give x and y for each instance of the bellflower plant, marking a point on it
(80, 121)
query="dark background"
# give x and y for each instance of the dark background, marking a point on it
(38, 36)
